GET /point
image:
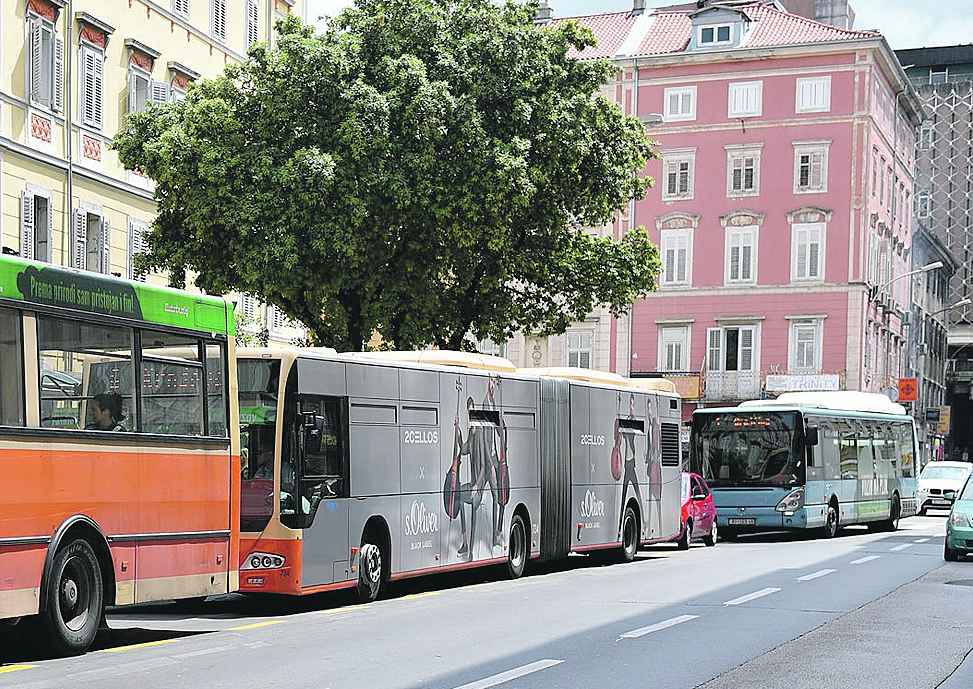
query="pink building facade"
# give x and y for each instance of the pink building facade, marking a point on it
(782, 203)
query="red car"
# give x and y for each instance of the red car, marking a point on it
(698, 512)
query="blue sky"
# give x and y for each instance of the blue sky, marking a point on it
(905, 23)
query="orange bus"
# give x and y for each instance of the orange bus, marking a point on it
(119, 432)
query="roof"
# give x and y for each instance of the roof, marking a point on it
(443, 357)
(668, 31)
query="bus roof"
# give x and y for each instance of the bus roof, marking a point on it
(576, 373)
(844, 400)
(660, 384)
(443, 357)
(82, 291)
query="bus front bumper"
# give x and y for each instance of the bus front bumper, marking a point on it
(762, 519)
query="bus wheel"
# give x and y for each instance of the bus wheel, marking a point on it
(684, 540)
(75, 599)
(630, 535)
(369, 571)
(892, 523)
(830, 527)
(516, 548)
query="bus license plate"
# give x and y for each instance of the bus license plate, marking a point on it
(742, 521)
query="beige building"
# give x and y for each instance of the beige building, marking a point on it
(70, 71)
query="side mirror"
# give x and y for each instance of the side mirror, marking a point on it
(313, 427)
(949, 494)
(810, 434)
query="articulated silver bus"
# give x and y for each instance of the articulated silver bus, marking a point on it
(359, 469)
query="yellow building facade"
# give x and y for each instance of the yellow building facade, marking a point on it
(70, 71)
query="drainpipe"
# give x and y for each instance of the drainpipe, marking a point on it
(68, 126)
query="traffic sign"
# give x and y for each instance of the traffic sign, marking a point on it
(908, 390)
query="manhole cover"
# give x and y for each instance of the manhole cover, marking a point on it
(961, 582)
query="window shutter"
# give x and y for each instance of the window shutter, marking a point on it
(58, 73)
(682, 252)
(816, 163)
(159, 91)
(219, 19)
(801, 250)
(715, 347)
(252, 22)
(735, 257)
(813, 253)
(105, 245)
(672, 177)
(746, 349)
(93, 84)
(674, 101)
(80, 243)
(670, 255)
(686, 106)
(35, 59)
(737, 174)
(745, 261)
(27, 225)
(684, 178)
(133, 103)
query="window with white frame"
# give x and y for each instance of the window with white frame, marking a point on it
(677, 249)
(927, 135)
(579, 346)
(873, 259)
(252, 22)
(805, 346)
(745, 99)
(807, 252)
(218, 24)
(142, 91)
(680, 104)
(137, 229)
(715, 35)
(678, 169)
(92, 91)
(813, 94)
(874, 170)
(276, 320)
(488, 346)
(730, 348)
(36, 214)
(45, 49)
(741, 255)
(181, 7)
(811, 167)
(742, 170)
(90, 240)
(923, 204)
(890, 188)
(673, 348)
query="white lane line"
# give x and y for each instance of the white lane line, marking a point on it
(902, 547)
(865, 559)
(815, 575)
(921, 540)
(124, 668)
(635, 633)
(511, 674)
(205, 651)
(751, 596)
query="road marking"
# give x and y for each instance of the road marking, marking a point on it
(420, 595)
(142, 645)
(820, 573)
(921, 540)
(255, 625)
(635, 633)
(205, 651)
(865, 559)
(124, 668)
(751, 596)
(511, 674)
(902, 547)
(14, 668)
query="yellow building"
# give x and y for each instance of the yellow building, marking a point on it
(70, 71)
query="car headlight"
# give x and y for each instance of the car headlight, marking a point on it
(792, 501)
(959, 519)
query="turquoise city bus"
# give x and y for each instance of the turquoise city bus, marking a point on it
(807, 460)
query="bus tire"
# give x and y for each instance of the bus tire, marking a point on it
(830, 527)
(370, 572)
(630, 536)
(75, 599)
(516, 548)
(895, 512)
(686, 538)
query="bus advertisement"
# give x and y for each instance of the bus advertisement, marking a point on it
(118, 439)
(807, 460)
(360, 469)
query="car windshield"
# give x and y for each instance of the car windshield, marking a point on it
(948, 473)
(967, 491)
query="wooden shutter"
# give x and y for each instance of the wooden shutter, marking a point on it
(252, 22)
(159, 92)
(105, 245)
(27, 225)
(36, 61)
(92, 83)
(58, 76)
(714, 337)
(79, 244)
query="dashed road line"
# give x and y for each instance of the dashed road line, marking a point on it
(816, 575)
(863, 560)
(752, 596)
(203, 652)
(902, 546)
(921, 540)
(15, 668)
(266, 623)
(511, 674)
(130, 647)
(635, 633)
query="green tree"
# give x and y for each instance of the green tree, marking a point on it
(422, 169)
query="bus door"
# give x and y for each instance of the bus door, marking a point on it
(314, 488)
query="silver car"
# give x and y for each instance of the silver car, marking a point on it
(937, 478)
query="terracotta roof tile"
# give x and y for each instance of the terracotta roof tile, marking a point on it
(610, 29)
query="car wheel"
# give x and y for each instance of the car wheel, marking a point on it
(830, 527)
(683, 542)
(710, 538)
(516, 548)
(949, 554)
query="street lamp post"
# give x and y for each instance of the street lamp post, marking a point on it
(924, 269)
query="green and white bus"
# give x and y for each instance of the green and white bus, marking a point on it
(807, 460)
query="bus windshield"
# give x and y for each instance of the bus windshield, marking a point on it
(748, 448)
(257, 380)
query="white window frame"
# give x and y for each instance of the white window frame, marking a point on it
(218, 20)
(923, 204)
(579, 348)
(740, 246)
(678, 165)
(716, 348)
(252, 23)
(927, 135)
(676, 253)
(804, 334)
(744, 99)
(45, 63)
(489, 347)
(812, 94)
(817, 166)
(673, 355)
(684, 98)
(715, 29)
(91, 239)
(276, 320)
(137, 229)
(874, 171)
(807, 252)
(736, 159)
(36, 221)
(91, 92)
(181, 8)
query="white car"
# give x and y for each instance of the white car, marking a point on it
(937, 478)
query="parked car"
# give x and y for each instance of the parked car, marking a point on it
(937, 478)
(698, 512)
(959, 526)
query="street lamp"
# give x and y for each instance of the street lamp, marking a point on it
(929, 266)
(961, 302)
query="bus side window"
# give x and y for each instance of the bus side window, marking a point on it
(324, 457)
(11, 370)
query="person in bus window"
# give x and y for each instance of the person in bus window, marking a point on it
(105, 412)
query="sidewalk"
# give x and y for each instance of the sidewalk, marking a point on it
(916, 637)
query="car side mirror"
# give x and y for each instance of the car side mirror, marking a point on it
(949, 494)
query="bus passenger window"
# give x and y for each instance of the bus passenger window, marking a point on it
(324, 446)
(172, 386)
(11, 370)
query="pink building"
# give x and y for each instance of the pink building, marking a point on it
(782, 203)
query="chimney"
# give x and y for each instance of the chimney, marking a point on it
(544, 13)
(638, 6)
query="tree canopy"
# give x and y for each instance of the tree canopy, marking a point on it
(420, 168)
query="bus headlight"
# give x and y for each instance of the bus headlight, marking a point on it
(263, 561)
(792, 501)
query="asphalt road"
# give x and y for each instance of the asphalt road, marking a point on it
(862, 610)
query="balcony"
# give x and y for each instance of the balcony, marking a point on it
(731, 385)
